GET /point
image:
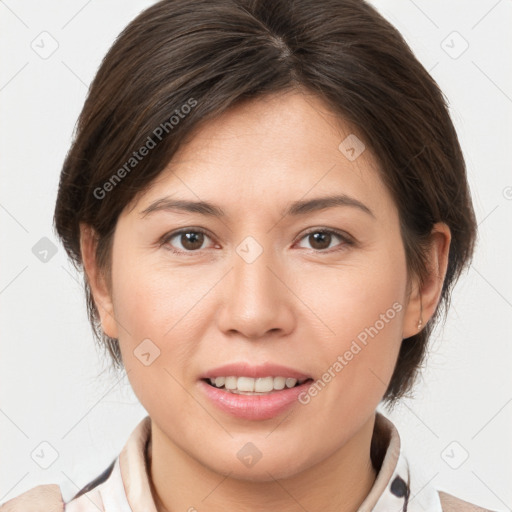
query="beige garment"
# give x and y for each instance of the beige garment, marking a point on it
(127, 489)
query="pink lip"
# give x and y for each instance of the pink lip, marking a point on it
(254, 407)
(254, 371)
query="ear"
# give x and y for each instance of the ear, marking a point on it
(97, 281)
(423, 302)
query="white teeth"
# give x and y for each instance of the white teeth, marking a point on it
(231, 383)
(249, 385)
(264, 384)
(279, 383)
(290, 383)
(245, 384)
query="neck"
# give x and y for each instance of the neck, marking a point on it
(338, 483)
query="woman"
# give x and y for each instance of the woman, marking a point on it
(270, 205)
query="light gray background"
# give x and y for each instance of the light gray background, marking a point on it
(51, 387)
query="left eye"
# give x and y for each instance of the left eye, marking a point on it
(321, 239)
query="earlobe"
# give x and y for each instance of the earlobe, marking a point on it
(424, 298)
(101, 293)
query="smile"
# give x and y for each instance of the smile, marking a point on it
(254, 386)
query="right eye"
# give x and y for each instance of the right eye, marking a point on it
(190, 239)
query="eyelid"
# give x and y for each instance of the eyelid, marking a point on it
(321, 229)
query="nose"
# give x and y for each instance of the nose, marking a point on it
(257, 301)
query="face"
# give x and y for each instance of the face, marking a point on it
(270, 284)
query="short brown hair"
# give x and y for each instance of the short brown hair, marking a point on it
(217, 53)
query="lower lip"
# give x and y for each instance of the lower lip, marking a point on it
(254, 407)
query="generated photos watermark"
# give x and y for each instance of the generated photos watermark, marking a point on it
(342, 360)
(137, 156)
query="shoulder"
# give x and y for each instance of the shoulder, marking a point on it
(48, 497)
(450, 503)
(43, 498)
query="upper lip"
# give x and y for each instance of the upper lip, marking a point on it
(241, 369)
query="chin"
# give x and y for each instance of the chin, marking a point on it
(265, 469)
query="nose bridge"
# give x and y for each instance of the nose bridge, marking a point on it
(256, 301)
(252, 277)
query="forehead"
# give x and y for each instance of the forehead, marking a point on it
(269, 152)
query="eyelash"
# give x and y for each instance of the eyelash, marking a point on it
(347, 240)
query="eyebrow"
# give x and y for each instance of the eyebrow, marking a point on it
(296, 208)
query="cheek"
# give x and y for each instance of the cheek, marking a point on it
(149, 299)
(361, 311)
(164, 305)
(141, 306)
(153, 310)
(346, 300)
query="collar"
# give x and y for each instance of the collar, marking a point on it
(399, 486)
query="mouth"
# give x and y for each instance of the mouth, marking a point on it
(254, 392)
(243, 385)
(267, 392)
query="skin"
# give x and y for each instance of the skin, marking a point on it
(299, 304)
